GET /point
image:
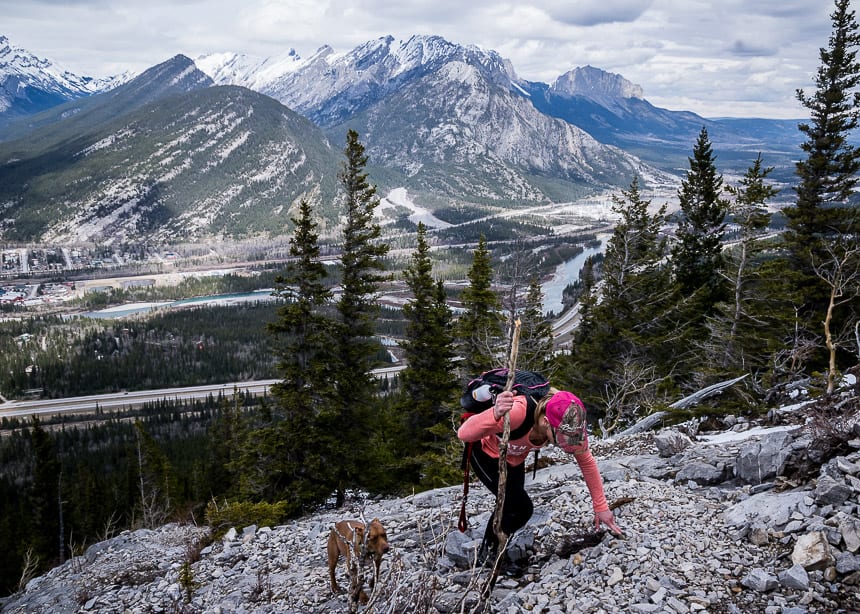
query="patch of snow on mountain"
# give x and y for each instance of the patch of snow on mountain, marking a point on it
(399, 197)
(179, 78)
(278, 164)
(232, 145)
(733, 436)
(108, 141)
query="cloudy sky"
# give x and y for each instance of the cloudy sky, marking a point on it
(741, 58)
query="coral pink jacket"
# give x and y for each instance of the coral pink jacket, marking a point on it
(485, 428)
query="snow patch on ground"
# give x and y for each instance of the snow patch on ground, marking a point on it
(733, 436)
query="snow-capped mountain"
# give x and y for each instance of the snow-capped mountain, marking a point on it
(29, 84)
(597, 85)
(329, 87)
(248, 71)
(454, 125)
(451, 118)
(615, 112)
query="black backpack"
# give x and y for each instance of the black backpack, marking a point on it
(529, 383)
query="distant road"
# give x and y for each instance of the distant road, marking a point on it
(130, 400)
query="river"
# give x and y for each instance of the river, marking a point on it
(566, 273)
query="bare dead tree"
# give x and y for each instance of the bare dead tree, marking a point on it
(857, 337)
(515, 275)
(110, 527)
(800, 346)
(840, 270)
(628, 390)
(29, 569)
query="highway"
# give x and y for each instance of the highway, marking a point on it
(130, 400)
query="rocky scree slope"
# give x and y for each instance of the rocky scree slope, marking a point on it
(746, 519)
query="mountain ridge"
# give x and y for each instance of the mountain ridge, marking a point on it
(166, 156)
(452, 124)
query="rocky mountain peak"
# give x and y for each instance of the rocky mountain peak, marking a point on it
(596, 84)
(20, 69)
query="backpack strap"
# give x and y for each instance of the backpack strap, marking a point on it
(463, 523)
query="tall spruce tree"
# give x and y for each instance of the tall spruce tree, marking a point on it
(479, 326)
(738, 340)
(428, 381)
(697, 252)
(824, 223)
(304, 327)
(536, 342)
(362, 268)
(289, 459)
(43, 497)
(828, 173)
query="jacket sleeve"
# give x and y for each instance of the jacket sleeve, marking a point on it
(483, 424)
(590, 472)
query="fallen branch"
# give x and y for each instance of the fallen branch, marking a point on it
(648, 422)
(704, 393)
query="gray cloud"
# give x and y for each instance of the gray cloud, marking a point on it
(595, 13)
(728, 57)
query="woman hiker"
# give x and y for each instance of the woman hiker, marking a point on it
(559, 419)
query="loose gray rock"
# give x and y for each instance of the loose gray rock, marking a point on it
(684, 549)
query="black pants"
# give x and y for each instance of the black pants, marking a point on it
(518, 506)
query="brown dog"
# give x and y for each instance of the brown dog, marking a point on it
(347, 538)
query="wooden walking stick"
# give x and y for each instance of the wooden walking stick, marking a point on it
(503, 443)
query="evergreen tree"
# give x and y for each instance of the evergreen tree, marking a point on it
(44, 498)
(828, 174)
(427, 379)
(697, 252)
(220, 473)
(156, 481)
(588, 282)
(619, 352)
(362, 269)
(738, 340)
(305, 326)
(289, 459)
(536, 341)
(824, 223)
(428, 385)
(479, 326)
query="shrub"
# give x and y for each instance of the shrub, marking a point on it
(244, 513)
